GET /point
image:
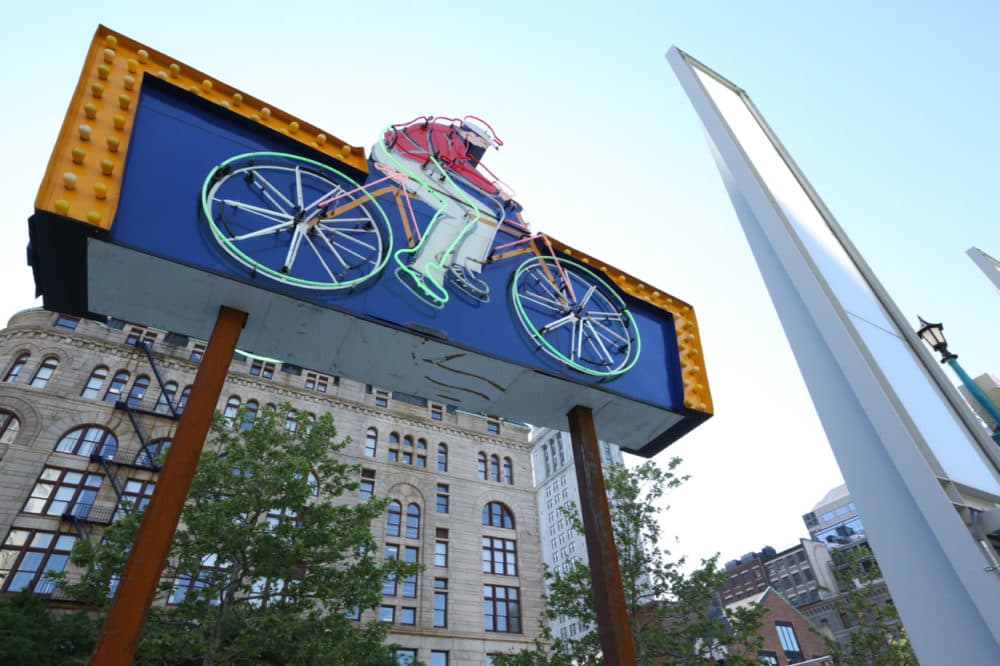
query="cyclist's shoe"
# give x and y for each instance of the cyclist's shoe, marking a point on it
(418, 286)
(468, 282)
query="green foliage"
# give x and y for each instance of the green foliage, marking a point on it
(878, 637)
(668, 609)
(270, 566)
(30, 634)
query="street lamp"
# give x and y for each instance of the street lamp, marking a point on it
(933, 335)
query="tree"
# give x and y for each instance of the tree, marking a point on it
(674, 616)
(877, 637)
(29, 634)
(267, 564)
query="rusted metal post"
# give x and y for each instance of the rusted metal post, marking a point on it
(124, 623)
(609, 595)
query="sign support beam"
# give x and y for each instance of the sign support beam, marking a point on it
(120, 636)
(609, 595)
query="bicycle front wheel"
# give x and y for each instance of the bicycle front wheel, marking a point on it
(574, 316)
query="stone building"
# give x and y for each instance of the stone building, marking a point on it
(85, 407)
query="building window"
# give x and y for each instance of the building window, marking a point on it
(387, 614)
(262, 369)
(231, 409)
(166, 399)
(66, 323)
(29, 554)
(499, 556)
(441, 547)
(94, 383)
(249, 414)
(502, 609)
(496, 514)
(482, 466)
(437, 411)
(353, 613)
(393, 519)
(381, 397)
(440, 602)
(118, 383)
(140, 337)
(442, 498)
(442, 457)
(138, 391)
(87, 440)
(62, 491)
(508, 471)
(410, 554)
(390, 585)
(407, 615)
(493, 426)
(439, 658)
(291, 421)
(405, 656)
(196, 580)
(44, 372)
(495, 467)
(9, 427)
(316, 382)
(367, 487)
(789, 642)
(183, 400)
(197, 352)
(149, 456)
(135, 496)
(371, 442)
(16, 369)
(768, 658)
(393, 446)
(412, 521)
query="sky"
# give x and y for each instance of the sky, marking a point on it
(889, 108)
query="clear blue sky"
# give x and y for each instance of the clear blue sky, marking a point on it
(890, 108)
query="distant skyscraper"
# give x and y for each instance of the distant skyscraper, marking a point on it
(835, 520)
(556, 485)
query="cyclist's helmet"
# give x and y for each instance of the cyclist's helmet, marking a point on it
(478, 136)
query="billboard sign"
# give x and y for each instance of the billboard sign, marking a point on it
(170, 194)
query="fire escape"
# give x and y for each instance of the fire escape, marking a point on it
(118, 462)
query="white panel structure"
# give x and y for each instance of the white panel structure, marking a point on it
(908, 448)
(987, 264)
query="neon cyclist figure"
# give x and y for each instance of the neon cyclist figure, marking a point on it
(437, 160)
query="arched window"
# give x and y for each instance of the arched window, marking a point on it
(86, 440)
(291, 421)
(393, 518)
(232, 406)
(118, 383)
(94, 383)
(407, 454)
(16, 369)
(508, 471)
(442, 457)
(249, 414)
(482, 466)
(495, 468)
(153, 452)
(166, 398)
(394, 438)
(313, 484)
(412, 521)
(138, 391)
(9, 427)
(310, 420)
(371, 442)
(183, 400)
(44, 372)
(422, 444)
(408, 441)
(496, 514)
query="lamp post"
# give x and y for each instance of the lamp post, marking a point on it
(933, 335)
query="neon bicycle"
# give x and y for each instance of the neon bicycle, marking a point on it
(307, 225)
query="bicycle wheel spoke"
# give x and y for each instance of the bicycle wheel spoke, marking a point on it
(340, 233)
(293, 249)
(265, 185)
(544, 302)
(553, 290)
(327, 197)
(620, 338)
(320, 257)
(298, 188)
(266, 213)
(262, 232)
(562, 321)
(586, 297)
(594, 337)
(352, 252)
(333, 250)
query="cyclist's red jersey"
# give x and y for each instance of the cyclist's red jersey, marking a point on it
(439, 138)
